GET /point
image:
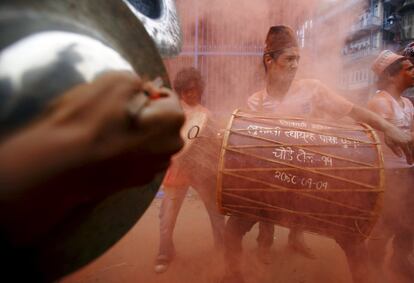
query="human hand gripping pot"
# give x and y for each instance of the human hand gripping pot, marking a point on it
(95, 139)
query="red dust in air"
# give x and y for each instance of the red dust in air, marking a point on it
(225, 40)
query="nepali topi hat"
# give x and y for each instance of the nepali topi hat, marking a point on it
(278, 38)
(384, 60)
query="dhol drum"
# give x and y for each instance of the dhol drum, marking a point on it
(322, 177)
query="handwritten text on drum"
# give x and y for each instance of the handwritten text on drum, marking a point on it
(304, 182)
(305, 136)
(302, 124)
(256, 130)
(288, 154)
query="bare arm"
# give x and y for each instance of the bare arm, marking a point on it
(337, 106)
(400, 142)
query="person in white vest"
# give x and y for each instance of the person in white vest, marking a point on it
(395, 75)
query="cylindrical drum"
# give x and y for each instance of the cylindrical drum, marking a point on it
(322, 177)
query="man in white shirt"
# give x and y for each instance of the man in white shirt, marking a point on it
(396, 74)
(305, 98)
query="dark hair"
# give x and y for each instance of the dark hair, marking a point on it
(274, 56)
(188, 78)
(390, 71)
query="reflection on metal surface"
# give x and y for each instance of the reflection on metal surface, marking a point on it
(161, 22)
(42, 66)
(48, 47)
(76, 54)
(150, 8)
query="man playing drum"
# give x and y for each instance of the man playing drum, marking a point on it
(309, 99)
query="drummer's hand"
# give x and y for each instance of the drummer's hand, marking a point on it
(400, 143)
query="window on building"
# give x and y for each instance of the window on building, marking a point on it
(376, 10)
(376, 40)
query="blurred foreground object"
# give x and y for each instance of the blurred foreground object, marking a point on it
(82, 148)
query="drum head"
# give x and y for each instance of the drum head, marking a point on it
(91, 230)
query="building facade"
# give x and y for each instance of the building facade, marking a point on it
(364, 28)
(363, 44)
(383, 24)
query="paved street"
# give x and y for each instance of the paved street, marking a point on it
(131, 259)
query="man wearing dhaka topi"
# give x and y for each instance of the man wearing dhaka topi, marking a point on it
(285, 96)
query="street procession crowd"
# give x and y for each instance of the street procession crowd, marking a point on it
(388, 111)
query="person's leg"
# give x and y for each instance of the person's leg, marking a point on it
(399, 211)
(265, 241)
(236, 228)
(170, 207)
(360, 266)
(377, 243)
(207, 193)
(403, 248)
(297, 243)
(266, 233)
